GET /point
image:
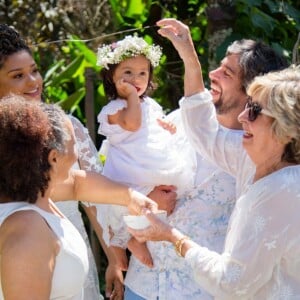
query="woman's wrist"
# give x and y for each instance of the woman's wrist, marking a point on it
(181, 242)
(179, 245)
(129, 196)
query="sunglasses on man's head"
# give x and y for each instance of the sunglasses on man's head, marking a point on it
(254, 109)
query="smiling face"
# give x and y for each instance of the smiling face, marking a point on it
(19, 75)
(259, 140)
(226, 85)
(136, 71)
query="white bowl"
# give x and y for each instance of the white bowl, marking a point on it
(141, 221)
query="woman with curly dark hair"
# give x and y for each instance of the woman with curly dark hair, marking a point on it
(43, 256)
(20, 75)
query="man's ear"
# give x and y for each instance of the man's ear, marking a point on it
(52, 158)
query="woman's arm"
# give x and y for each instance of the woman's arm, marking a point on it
(261, 233)
(93, 187)
(88, 159)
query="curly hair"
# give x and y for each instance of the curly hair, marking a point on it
(28, 132)
(109, 86)
(255, 58)
(281, 93)
(10, 43)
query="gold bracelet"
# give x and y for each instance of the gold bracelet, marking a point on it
(178, 245)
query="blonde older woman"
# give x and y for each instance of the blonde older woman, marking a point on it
(262, 249)
(261, 258)
(43, 256)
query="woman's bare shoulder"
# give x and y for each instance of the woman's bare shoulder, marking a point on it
(25, 228)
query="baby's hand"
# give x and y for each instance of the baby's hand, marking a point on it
(167, 125)
(125, 89)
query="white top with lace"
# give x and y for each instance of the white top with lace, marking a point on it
(88, 160)
(261, 258)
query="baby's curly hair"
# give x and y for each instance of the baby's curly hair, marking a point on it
(10, 43)
(28, 132)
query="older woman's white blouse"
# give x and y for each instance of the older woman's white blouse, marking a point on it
(261, 258)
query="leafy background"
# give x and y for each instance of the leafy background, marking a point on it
(65, 34)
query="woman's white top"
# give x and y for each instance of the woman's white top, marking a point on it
(141, 159)
(88, 160)
(261, 258)
(71, 263)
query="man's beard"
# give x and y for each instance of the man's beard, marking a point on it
(224, 107)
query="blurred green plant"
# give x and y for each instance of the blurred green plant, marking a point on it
(64, 81)
(214, 24)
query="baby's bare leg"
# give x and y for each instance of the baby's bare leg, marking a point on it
(140, 251)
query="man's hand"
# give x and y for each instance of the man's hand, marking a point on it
(179, 34)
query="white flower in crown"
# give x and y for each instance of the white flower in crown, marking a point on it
(130, 46)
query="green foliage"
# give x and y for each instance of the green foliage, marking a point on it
(63, 63)
(275, 22)
(64, 82)
(48, 25)
(51, 25)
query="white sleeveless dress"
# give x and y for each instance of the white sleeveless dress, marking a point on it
(71, 264)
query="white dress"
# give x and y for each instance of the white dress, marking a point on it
(142, 160)
(261, 258)
(202, 213)
(87, 160)
(71, 263)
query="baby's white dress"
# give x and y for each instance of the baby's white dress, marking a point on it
(141, 159)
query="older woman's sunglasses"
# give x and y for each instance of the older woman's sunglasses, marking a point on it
(254, 109)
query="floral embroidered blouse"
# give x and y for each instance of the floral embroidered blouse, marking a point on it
(202, 214)
(261, 258)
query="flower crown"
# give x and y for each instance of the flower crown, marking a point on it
(130, 46)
